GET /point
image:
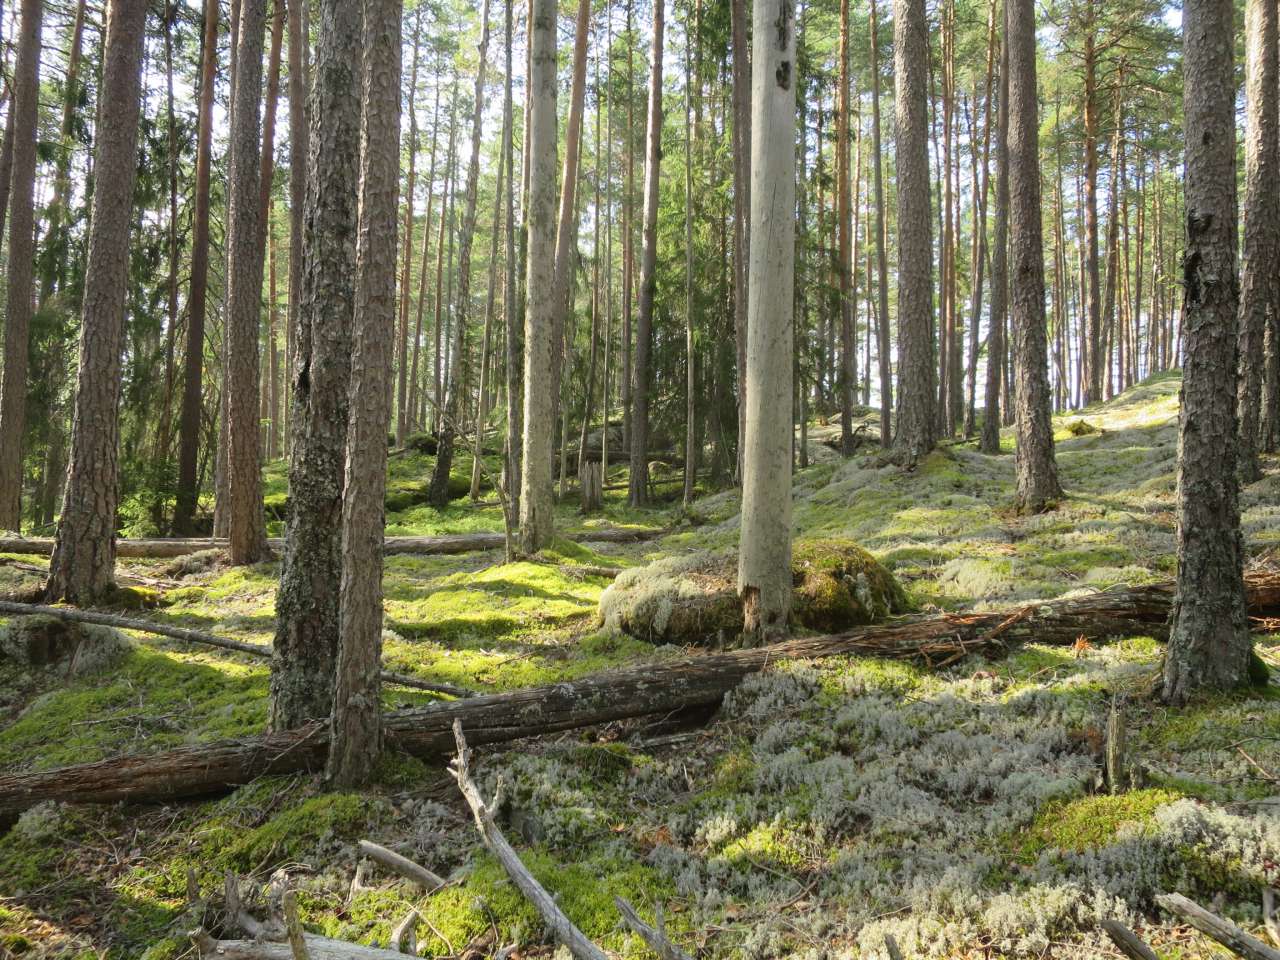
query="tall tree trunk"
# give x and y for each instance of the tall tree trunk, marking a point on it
(244, 293)
(764, 556)
(882, 258)
(1093, 297)
(411, 414)
(355, 731)
(193, 358)
(690, 357)
(536, 517)
(638, 494)
(1209, 644)
(843, 239)
(917, 377)
(82, 569)
(741, 202)
(981, 172)
(486, 351)
(306, 640)
(438, 494)
(1258, 283)
(510, 296)
(628, 236)
(588, 410)
(406, 270)
(1036, 468)
(21, 254)
(446, 215)
(991, 417)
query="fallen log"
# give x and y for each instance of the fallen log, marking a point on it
(672, 685)
(164, 547)
(1239, 942)
(197, 637)
(317, 948)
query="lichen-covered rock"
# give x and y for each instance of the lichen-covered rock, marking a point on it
(48, 642)
(693, 598)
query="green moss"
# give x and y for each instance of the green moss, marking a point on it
(839, 585)
(295, 832)
(1089, 822)
(603, 762)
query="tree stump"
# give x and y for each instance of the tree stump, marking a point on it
(591, 481)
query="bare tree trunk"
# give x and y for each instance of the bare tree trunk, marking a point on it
(510, 296)
(1209, 644)
(1093, 299)
(594, 360)
(21, 256)
(882, 259)
(355, 730)
(438, 494)
(991, 418)
(306, 641)
(402, 341)
(244, 293)
(638, 492)
(764, 556)
(299, 149)
(1258, 283)
(741, 202)
(446, 215)
(1037, 470)
(843, 240)
(981, 194)
(536, 517)
(691, 359)
(82, 569)
(486, 346)
(917, 377)
(193, 359)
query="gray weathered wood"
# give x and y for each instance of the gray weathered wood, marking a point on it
(401, 865)
(1225, 932)
(318, 948)
(654, 936)
(1128, 942)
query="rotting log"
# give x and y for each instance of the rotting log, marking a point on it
(655, 688)
(262, 651)
(448, 544)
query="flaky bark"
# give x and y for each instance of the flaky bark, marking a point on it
(1209, 644)
(1035, 466)
(355, 729)
(21, 255)
(244, 293)
(764, 559)
(536, 518)
(1258, 282)
(306, 642)
(82, 569)
(917, 374)
(638, 490)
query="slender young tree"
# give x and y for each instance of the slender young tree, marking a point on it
(307, 620)
(764, 558)
(844, 228)
(1258, 282)
(438, 494)
(21, 255)
(511, 315)
(248, 537)
(82, 569)
(193, 360)
(691, 358)
(536, 517)
(1209, 645)
(1037, 470)
(990, 440)
(738, 17)
(406, 270)
(638, 492)
(915, 433)
(355, 738)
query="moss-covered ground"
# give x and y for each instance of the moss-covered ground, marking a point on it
(826, 805)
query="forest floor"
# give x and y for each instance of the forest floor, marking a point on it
(827, 804)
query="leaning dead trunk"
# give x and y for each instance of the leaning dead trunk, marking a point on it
(673, 686)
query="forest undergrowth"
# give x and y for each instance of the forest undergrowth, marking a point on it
(827, 804)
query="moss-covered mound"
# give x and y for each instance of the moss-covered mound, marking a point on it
(48, 642)
(693, 599)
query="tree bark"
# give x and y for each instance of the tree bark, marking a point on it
(917, 376)
(536, 517)
(1209, 645)
(882, 259)
(82, 569)
(676, 685)
(355, 728)
(764, 556)
(188, 492)
(21, 255)
(1258, 282)
(245, 236)
(638, 491)
(307, 603)
(1036, 469)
